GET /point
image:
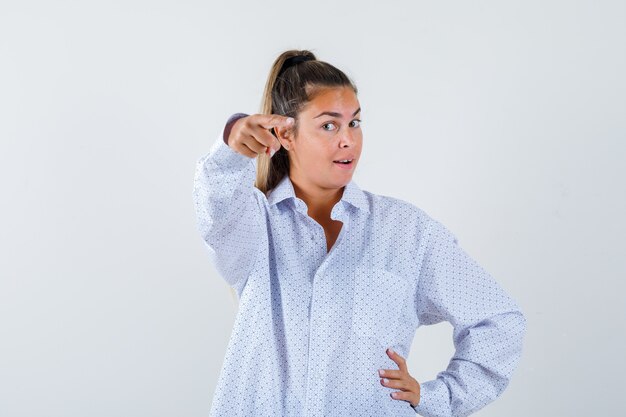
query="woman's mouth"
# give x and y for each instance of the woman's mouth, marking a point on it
(344, 163)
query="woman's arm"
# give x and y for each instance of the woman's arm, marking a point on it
(229, 208)
(229, 214)
(488, 328)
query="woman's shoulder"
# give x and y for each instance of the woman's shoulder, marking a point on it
(398, 211)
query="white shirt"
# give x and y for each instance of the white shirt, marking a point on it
(312, 327)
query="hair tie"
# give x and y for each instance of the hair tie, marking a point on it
(295, 60)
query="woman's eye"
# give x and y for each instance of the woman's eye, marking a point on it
(355, 123)
(325, 126)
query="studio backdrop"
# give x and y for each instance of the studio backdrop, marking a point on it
(503, 120)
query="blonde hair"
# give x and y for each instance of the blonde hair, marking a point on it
(294, 79)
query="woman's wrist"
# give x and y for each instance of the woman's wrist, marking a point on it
(229, 125)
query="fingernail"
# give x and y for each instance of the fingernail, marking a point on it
(385, 380)
(272, 152)
(381, 372)
(392, 351)
(290, 120)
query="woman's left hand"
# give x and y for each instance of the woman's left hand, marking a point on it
(400, 378)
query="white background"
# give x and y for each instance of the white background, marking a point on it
(503, 120)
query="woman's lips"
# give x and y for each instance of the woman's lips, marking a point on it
(343, 165)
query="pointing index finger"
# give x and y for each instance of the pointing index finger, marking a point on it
(273, 120)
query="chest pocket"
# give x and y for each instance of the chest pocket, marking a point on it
(379, 298)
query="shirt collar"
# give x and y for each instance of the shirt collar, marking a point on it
(352, 194)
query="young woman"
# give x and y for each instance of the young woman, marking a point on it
(333, 280)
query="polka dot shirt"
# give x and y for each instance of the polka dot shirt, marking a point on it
(313, 325)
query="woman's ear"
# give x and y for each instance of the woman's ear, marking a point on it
(285, 136)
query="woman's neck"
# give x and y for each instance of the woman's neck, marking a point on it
(319, 201)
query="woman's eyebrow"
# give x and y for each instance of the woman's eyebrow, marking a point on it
(335, 114)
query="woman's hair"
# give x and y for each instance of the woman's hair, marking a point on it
(294, 79)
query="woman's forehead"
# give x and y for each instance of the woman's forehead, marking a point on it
(338, 101)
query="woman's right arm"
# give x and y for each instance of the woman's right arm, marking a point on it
(229, 208)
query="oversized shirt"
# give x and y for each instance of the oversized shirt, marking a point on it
(312, 325)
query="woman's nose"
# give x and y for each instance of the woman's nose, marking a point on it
(347, 139)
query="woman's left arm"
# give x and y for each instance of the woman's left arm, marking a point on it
(489, 328)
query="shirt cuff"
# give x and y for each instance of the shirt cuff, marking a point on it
(229, 125)
(433, 399)
(226, 158)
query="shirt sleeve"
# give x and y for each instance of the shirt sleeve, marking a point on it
(488, 328)
(230, 211)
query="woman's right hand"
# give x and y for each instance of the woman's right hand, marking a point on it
(251, 136)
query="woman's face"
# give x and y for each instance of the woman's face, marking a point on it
(328, 131)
